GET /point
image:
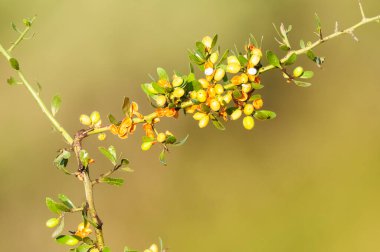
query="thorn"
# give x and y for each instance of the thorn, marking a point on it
(362, 10)
(336, 27)
(353, 36)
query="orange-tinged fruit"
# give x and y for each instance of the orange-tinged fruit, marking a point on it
(207, 41)
(204, 83)
(214, 105)
(161, 137)
(85, 120)
(258, 103)
(236, 80)
(177, 82)
(201, 95)
(248, 109)
(211, 92)
(219, 89)
(214, 57)
(233, 68)
(146, 146)
(246, 87)
(161, 100)
(178, 92)
(233, 60)
(102, 137)
(53, 222)
(298, 71)
(219, 74)
(236, 114)
(204, 121)
(95, 117)
(248, 122)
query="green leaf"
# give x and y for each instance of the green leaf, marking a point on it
(55, 104)
(88, 241)
(60, 228)
(171, 139)
(11, 81)
(39, 88)
(126, 106)
(257, 86)
(307, 75)
(273, 59)
(147, 139)
(302, 84)
(27, 22)
(158, 88)
(126, 249)
(14, 63)
(106, 249)
(291, 59)
(311, 55)
(200, 46)
(84, 247)
(113, 120)
(162, 158)
(84, 157)
(242, 60)
(318, 21)
(61, 161)
(66, 201)
(14, 27)
(67, 239)
(191, 68)
(217, 123)
(302, 44)
(194, 59)
(109, 153)
(181, 142)
(56, 207)
(162, 74)
(214, 41)
(112, 181)
(224, 57)
(264, 115)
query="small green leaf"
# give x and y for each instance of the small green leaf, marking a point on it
(318, 21)
(181, 142)
(302, 44)
(224, 57)
(147, 139)
(158, 88)
(162, 74)
(307, 75)
(11, 81)
(112, 181)
(217, 123)
(113, 120)
(68, 239)
(273, 59)
(106, 249)
(84, 157)
(242, 60)
(14, 27)
(109, 154)
(214, 41)
(264, 115)
(60, 228)
(170, 139)
(291, 59)
(257, 86)
(55, 104)
(61, 161)
(14, 63)
(84, 247)
(66, 201)
(311, 55)
(162, 157)
(56, 207)
(200, 46)
(126, 106)
(302, 84)
(39, 88)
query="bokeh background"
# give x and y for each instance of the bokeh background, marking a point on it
(307, 181)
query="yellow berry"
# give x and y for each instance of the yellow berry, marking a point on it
(204, 121)
(219, 89)
(146, 146)
(102, 136)
(257, 52)
(233, 60)
(211, 92)
(252, 71)
(246, 87)
(94, 250)
(178, 92)
(254, 60)
(248, 122)
(154, 248)
(209, 71)
(198, 116)
(53, 222)
(204, 83)
(85, 120)
(177, 81)
(298, 71)
(161, 100)
(214, 105)
(161, 137)
(201, 95)
(248, 109)
(95, 117)
(258, 103)
(236, 114)
(227, 98)
(148, 250)
(219, 74)
(233, 68)
(214, 57)
(243, 78)
(193, 95)
(207, 41)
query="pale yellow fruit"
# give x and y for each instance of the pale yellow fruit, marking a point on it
(233, 60)
(248, 122)
(207, 41)
(233, 68)
(236, 114)
(178, 92)
(205, 84)
(161, 137)
(248, 109)
(203, 122)
(85, 120)
(177, 82)
(219, 74)
(214, 105)
(161, 100)
(201, 95)
(219, 89)
(214, 57)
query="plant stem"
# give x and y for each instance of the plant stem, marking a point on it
(22, 35)
(348, 31)
(37, 98)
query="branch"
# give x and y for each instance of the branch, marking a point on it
(22, 35)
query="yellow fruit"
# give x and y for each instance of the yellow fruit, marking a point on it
(177, 81)
(219, 89)
(227, 98)
(94, 250)
(154, 248)
(148, 250)
(72, 241)
(246, 87)
(95, 117)
(255, 59)
(204, 83)
(233, 68)
(236, 114)
(193, 95)
(219, 74)
(102, 137)
(146, 146)
(53, 222)
(233, 60)
(161, 100)
(201, 95)
(257, 52)
(207, 41)
(85, 120)
(204, 121)
(161, 137)
(236, 80)
(214, 57)
(248, 122)
(258, 103)
(252, 71)
(248, 109)
(243, 78)
(178, 92)
(198, 116)
(209, 71)
(211, 92)
(298, 71)
(214, 105)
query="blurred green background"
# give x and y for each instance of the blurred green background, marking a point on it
(307, 181)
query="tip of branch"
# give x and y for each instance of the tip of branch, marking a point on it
(362, 10)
